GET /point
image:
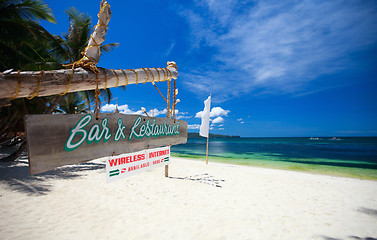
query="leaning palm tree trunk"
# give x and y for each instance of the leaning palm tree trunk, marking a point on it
(92, 52)
(38, 84)
(78, 78)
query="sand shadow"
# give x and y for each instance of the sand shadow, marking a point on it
(330, 238)
(16, 175)
(349, 238)
(203, 178)
(359, 238)
(368, 211)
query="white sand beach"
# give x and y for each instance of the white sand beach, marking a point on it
(197, 201)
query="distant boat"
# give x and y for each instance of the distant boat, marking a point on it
(314, 138)
(335, 139)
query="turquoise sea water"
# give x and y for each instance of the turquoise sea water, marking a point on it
(348, 156)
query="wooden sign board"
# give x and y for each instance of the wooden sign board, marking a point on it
(60, 139)
(128, 164)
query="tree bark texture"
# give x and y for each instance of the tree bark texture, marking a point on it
(92, 52)
(57, 81)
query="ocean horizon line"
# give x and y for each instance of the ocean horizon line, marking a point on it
(309, 136)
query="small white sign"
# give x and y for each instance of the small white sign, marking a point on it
(128, 164)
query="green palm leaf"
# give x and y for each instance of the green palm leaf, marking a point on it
(33, 10)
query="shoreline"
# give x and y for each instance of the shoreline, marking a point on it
(197, 201)
(314, 169)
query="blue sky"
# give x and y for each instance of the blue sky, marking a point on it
(274, 68)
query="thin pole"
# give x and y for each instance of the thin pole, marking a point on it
(159, 92)
(207, 150)
(208, 129)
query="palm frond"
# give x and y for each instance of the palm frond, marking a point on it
(78, 33)
(108, 47)
(32, 10)
(60, 49)
(106, 94)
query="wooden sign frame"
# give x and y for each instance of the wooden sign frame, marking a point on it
(61, 139)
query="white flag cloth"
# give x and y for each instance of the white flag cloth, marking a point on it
(204, 128)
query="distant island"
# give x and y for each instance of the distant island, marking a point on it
(196, 135)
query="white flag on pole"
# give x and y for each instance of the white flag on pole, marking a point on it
(204, 128)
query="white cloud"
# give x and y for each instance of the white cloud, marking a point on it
(218, 111)
(199, 114)
(241, 120)
(183, 117)
(108, 108)
(218, 120)
(215, 112)
(122, 109)
(171, 47)
(193, 126)
(275, 46)
(179, 115)
(153, 112)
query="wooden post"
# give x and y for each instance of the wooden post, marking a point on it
(168, 116)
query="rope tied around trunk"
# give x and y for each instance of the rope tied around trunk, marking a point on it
(116, 74)
(158, 75)
(125, 75)
(18, 85)
(137, 77)
(38, 84)
(147, 75)
(89, 62)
